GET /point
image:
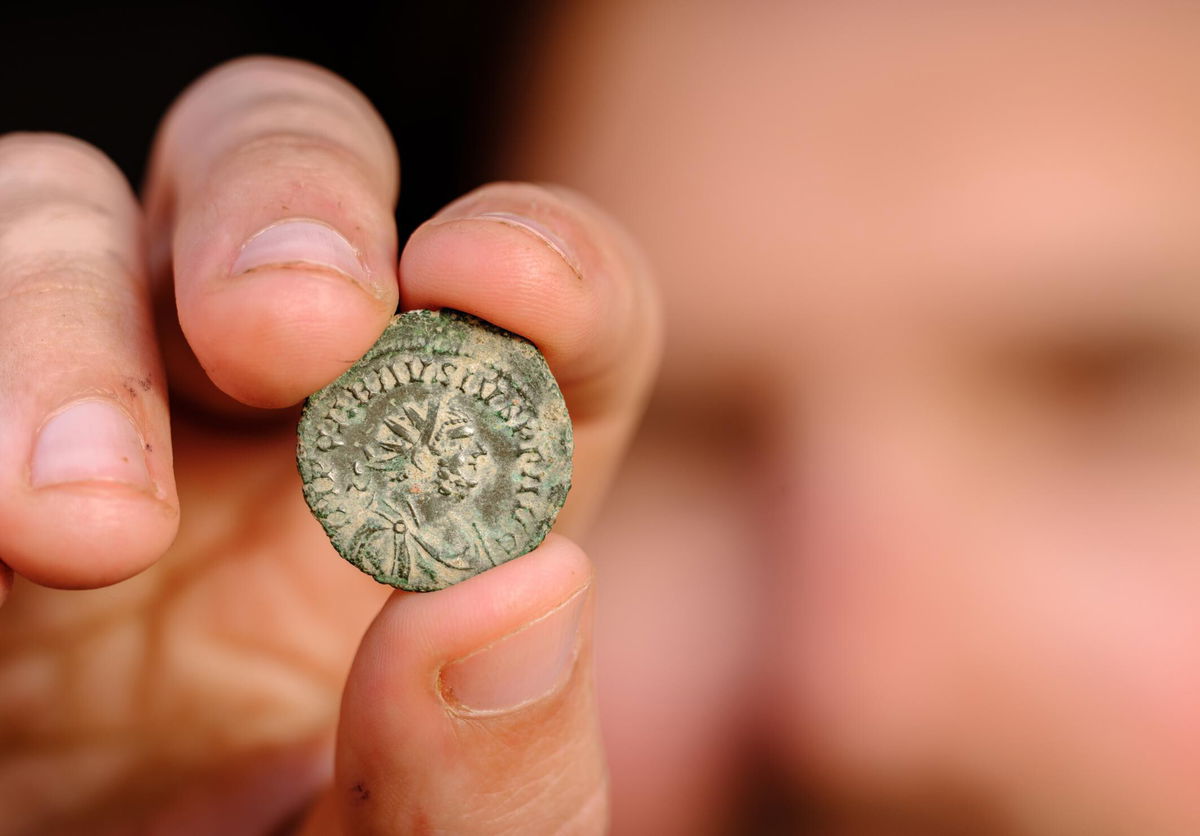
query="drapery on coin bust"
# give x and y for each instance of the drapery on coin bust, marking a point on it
(444, 451)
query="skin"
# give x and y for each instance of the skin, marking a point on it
(907, 534)
(203, 693)
(909, 529)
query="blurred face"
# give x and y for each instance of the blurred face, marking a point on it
(945, 268)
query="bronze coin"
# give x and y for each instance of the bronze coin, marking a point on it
(444, 451)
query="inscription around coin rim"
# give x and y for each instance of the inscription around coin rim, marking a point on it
(442, 452)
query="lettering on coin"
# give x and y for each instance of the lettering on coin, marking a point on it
(444, 451)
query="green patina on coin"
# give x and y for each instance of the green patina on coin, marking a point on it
(444, 451)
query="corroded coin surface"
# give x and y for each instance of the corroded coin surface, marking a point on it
(444, 451)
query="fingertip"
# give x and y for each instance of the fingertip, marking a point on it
(489, 267)
(549, 265)
(49, 153)
(85, 535)
(271, 338)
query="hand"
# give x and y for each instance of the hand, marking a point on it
(201, 694)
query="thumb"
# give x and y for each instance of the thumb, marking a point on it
(471, 709)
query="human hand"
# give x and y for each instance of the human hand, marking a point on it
(201, 694)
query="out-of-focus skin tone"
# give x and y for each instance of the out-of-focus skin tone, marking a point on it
(914, 508)
(907, 535)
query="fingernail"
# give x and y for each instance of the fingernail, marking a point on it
(289, 243)
(90, 441)
(520, 668)
(539, 231)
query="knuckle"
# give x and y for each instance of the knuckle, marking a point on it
(591, 815)
(53, 234)
(251, 97)
(270, 73)
(550, 802)
(555, 784)
(287, 165)
(68, 236)
(65, 287)
(289, 110)
(288, 149)
(51, 159)
(67, 308)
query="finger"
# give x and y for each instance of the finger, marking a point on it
(273, 182)
(87, 495)
(471, 709)
(548, 265)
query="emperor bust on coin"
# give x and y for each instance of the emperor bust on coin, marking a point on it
(444, 451)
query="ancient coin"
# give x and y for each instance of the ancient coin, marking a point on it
(444, 451)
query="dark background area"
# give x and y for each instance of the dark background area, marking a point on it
(107, 73)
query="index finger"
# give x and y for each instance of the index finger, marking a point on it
(546, 263)
(271, 185)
